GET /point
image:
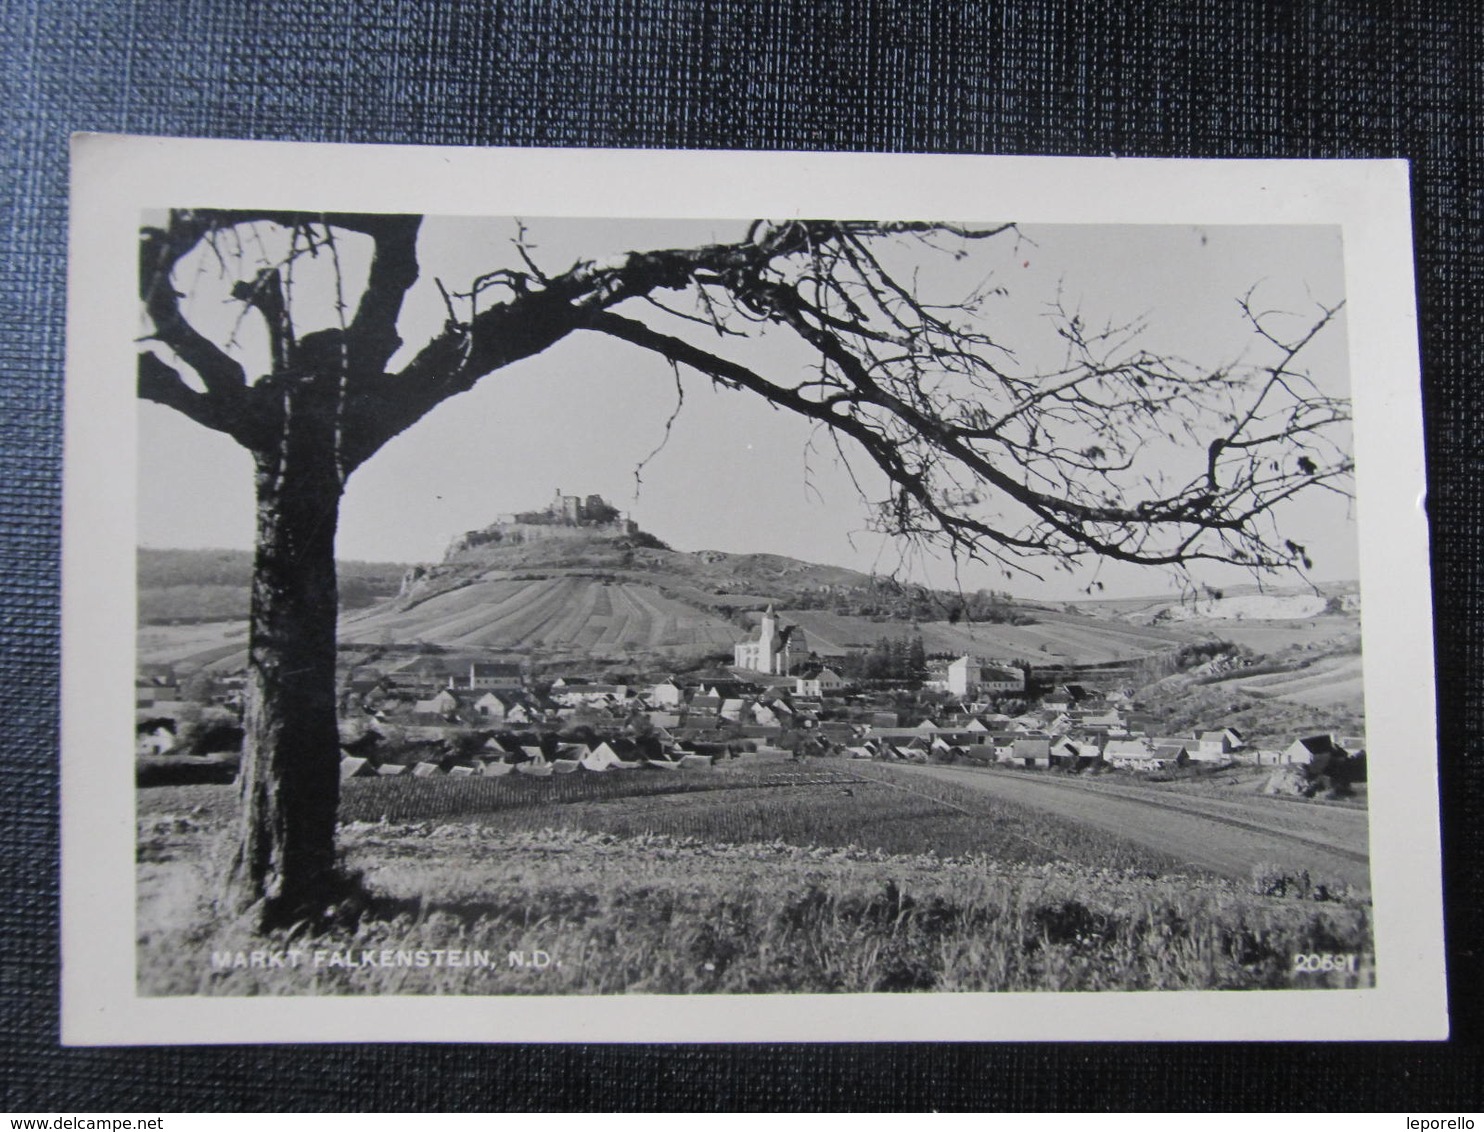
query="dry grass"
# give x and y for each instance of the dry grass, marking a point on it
(742, 888)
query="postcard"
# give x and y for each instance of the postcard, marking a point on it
(561, 595)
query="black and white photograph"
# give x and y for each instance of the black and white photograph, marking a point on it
(649, 613)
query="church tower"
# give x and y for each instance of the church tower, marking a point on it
(765, 637)
(769, 651)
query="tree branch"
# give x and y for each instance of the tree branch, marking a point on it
(163, 385)
(373, 332)
(160, 250)
(1071, 459)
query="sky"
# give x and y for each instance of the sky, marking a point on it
(733, 473)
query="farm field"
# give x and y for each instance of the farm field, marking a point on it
(1054, 637)
(1227, 836)
(600, 618)
(1333, 682)
(1275, 636)
(822, 876)
(208, 644)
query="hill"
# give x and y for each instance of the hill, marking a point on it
(604, 592)
(194, 586)
(608, 591)
(1047, 637)
(1303, 688)
(595, 587)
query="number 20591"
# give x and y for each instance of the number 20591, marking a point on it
(1314, 962)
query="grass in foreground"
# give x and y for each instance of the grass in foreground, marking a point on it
(740, 888)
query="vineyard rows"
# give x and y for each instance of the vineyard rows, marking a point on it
(430, 799)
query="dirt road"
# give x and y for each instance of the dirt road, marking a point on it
(1223, 836)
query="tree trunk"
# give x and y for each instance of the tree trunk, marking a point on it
(290, 778)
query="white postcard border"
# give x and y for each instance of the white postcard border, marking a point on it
(116, 178)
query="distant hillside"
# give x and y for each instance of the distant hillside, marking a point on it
(1233, 604)
(1302, 687)
(607, 592)
(573, 590)
(189, 586)
(600, 588)
(1049, 637)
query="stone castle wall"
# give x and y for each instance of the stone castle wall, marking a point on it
(516, 534)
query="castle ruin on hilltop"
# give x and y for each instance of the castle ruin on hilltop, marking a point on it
(566, 516)
(573, 511)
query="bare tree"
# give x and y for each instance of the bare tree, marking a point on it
(983, 456)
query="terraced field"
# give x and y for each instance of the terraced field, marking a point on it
(580, 613)
(566, 611)
(1334, 682)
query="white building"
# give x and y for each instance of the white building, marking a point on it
(666, 693)
(993, 679)
(814, 687)
(968, 676)
(770, 651)
(963, 676)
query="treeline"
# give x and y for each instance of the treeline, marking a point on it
(159, 568)
(234, 568)
(991, 607)
(889, 660)
(215, 585)
(1183, 659)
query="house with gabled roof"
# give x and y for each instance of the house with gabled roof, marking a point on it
(1172, 751)
(1217, 746)
(1074, 754)
(1130, 754)
(590, 695)
(667, 693)
(768, 715)
(825, 682)
(154, 736)
(488, 675)
(1314, 751)
(943, 752)
(1000, 679)
(1031, 752)
(493, 706)
(1059, 724)
(604, 757)
(704, 703)
(352, 767)
(443, 704)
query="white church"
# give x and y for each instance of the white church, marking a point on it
(771, 651)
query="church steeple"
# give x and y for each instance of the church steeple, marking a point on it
(769, 652)
(768, 630)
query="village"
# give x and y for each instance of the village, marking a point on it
(449, 715)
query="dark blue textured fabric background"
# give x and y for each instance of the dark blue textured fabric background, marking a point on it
(1241, 79)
